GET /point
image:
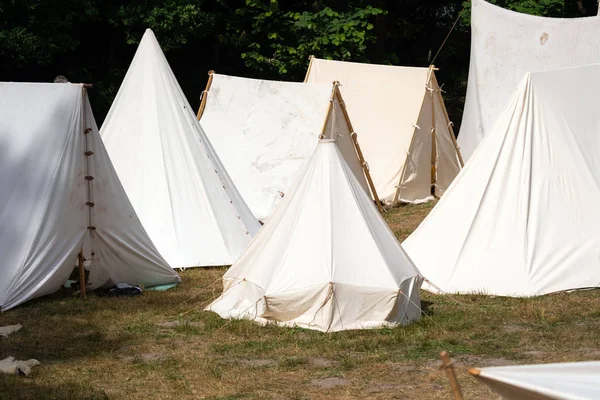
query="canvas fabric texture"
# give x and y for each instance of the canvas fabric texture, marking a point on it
(505, 45)
(556, 381)
(177, 184)
(355, 276)
(521, 219)
(45, 197)
(264, 131)
(391, 112)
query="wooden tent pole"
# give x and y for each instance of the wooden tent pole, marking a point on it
(433, 132)
(205, 95)
(448, 366)
(449, 124)
(310, 63)
(353, 134)
(81, 274)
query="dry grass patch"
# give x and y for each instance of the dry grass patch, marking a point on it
(163, 346)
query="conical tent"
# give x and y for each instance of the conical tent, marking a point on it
(505, 45)
(326, 259)
(60, 194)
(173, 177)
(263, 132)
(575, 380)
(402, 125)
(522, 217)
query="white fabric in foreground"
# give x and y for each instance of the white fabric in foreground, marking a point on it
(263, 132)
(391, 110)
(16, 367)
(564, 381)
(522, 217)
(325, 260)
(173, 177)
(505, 45)
(44, 218)
(8, 329)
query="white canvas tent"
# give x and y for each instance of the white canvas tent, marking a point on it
(326, 259)
(402, 125)
(557, 381)
(59, 194)
(505, 45)
(263, 132)
(173, 177)
(522, 217)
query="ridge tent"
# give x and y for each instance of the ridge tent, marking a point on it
(574, 380)
(505, 45)
(326, 259)
(172, 175)
(60, 195)
(522, 217)
(263, 131)
(402, 124)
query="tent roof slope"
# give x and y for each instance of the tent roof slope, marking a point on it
(325, 260)
(575, 380)
(263, 132)
(521, 219)
(390, 108)
(174, 178)
(60, 195)
(505, 45)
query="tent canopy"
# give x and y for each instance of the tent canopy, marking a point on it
(263, 132)
(355, 274)
(402, 125)
(505, 45)
(522, 217)
(60, 194)
(175, 180)
(576, 380)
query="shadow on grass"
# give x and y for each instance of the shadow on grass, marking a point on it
(18, 387)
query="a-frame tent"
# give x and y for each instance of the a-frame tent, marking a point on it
(60, 196)
(173, 177)
(505, 45)
(326, 259)
(522, 217)
(402, 124)
(263, 132)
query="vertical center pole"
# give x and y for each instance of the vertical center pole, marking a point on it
(433, 131)
(81, 274)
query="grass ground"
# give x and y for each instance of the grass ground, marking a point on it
(162, 346)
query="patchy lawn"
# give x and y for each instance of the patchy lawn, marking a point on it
(163, 346)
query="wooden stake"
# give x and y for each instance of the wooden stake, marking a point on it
(448, 366)
(310, 63)
(205, 95)
(81, 274)
(338, 96)
(449, 124)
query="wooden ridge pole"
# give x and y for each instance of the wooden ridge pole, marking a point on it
(81, 274)
(353, 134)
(449, 124)
(310, 63)
(205, 95)
(448, 366)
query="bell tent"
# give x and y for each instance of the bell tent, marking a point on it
(61, 196)
(326, 259)
(182, 193)
(402, 125)
(522, 217)
(263, 132)
(505, 45)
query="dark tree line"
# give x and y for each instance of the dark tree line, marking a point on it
(93, 41)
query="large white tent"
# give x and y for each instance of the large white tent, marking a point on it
(505, 45)
(263, 132)
(60, 195)
(556, 381)
(326, 259)
(182, 193)
(402, 125)
(522, 217)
